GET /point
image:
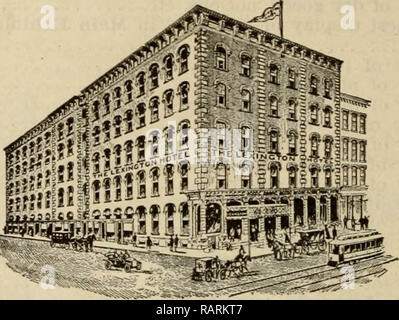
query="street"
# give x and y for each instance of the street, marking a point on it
(162, 276)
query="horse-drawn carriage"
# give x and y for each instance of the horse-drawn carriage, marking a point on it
(209, 269)
(61, 239)
(310, 240)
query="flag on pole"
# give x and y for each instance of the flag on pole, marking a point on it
(269, 14)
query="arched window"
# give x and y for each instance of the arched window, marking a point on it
(168, 65)
(328, 142)
(32, 202)
(154, 109)
(129, 90)
(274, 74)
(96, 135)
(327, 88)
(107, 190)
(273, 106)
(291, 109)
(154, 140)
(274, 141)
(39, 200)
(168, 101)
(327, 116)
(169, 172)
(107, 103)
(129, 186)
(61, 173)
(140, 114)
(183, 168)
(107, 130)
(292, 142)
(69, 123)
(60, 130)
(246, 174)
(246, 100)
(107, 159)
(314, 114)
(184, 128)
(169, 136)
(291, 78)
(170, 210)
(154, 72)
(221, 175)
(61, 148)
(274, 175)
(354, 176)
(314, 177)
(140, 143)
(129, 152)
(141, 83)
(154, 212)
(60, 197)
(292, 176)
(117, 126)
(314, 145)
(141, 184)
(183, 92)
(246, 140)
(328, 179)
(221, 91)
(184, 53)
(154, 175)
(70, 171)
(345, 176)
(118, 188)
(354, 151)
(128, 121)
(48, 176)
(118, 153)
(314, 85)
(70, 196)
(246, 65)
(96, 162)
(70, 144)
(221, 58)
(141, 212)
(96, 110)
(185, 218)
(117, 97)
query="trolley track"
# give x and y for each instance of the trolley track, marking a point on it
(287, 279)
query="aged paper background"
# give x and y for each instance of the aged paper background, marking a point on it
(41, 69)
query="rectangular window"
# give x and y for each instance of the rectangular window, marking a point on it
(354, 122)
(345, 120)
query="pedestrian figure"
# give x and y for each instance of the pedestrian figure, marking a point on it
(90, 239)
(345, 222)
(286, 236)
(134, 239)
(366, 222)
(176, 242)
(327, 232)
(353, 223)
(334, 232)
(171, 242)
(148, 243)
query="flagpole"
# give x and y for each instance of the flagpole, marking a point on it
(281, 19)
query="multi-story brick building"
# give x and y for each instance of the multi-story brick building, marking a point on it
(133, 152)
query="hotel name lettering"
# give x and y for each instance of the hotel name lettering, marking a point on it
(172, 159)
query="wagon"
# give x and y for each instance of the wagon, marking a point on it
(61, 239)
(208, 269)
(311, 240)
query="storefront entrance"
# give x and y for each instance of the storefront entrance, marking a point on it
(270, 225)
(254, 229)
(234, 229)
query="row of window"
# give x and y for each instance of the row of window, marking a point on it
(357, 121)
(142, 82)
(274, 168)
(274, 72)
(112, 189)
(357, 150)
(358, 176)
(33, 148)
(65, 198)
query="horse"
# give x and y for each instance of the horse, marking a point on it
(282, 250)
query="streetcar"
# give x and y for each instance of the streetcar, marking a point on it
(352, 248)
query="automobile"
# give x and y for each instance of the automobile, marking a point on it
(123, 260)
(61, 239)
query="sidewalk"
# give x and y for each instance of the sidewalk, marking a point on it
(256, 250)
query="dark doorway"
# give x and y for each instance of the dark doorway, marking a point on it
(334, 212)
(323, 209)
(234, 229)
(312, 210)
(254, 229)
(270, 225)
(285, 222)
(298, 212)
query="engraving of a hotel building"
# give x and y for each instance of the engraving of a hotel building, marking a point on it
(84, 168)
